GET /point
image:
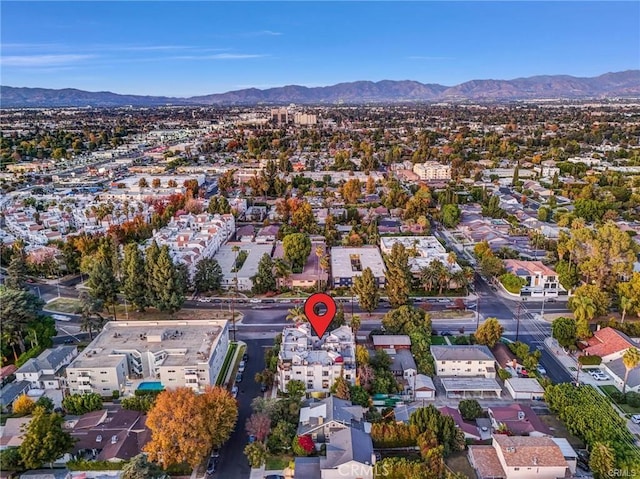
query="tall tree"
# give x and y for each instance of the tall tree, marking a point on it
(602, 460)
(134, 284)
(91, 320)
(263, 280)
(365, 287)
(139, 467)
(489, 332)
(102, 283)
(258, 425)
(208, 276)
(151, 260)
(398, 280)
(564, 330)
(17, 270)
(165, 283)
(44, 440)
(631, 360)
(297, 247)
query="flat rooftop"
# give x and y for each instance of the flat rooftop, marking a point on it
(351, 261)
(470, 384)
(184, 342)
(226, 259)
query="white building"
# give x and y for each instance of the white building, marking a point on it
(431, 170)
(316, 362)
(424, 249)
(348, 262)
(193, 237)
(44, 372)
(175, 353)
(471, 361)
(227, 259)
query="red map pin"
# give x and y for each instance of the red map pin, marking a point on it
(320, 322)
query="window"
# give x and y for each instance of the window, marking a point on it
(325, 373)
(444, 362)
(103, 372)
(468, 362)
(287, 377)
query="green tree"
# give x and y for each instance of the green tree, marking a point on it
(263, 280)
(281, 436)
(134, 284)
(629, 293)
(398, 280)
(602, 460)
(544, 214)
(512, 283)
(17, 270)
(90, 308)
(208, 275)
(341, 388)
(296, 390)
(450, 215)
(78, 404)
(365, 287)
(564, 330)
(256, 453)
(567, 274)
(44, 440)
(151, 260)
(297, 247)
(355, 323)
(139, 467)
(489, 332)
(19, 310)
(470, 409)
(165, 283)
(631, 360)
(102, 282)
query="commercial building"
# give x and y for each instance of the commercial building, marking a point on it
(175, 353)
(431, 171)
(348, 262)
(316, 362)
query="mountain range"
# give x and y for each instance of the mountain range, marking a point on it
(624, 84)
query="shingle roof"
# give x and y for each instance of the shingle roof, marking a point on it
(346, 445)
(527, 451)
(462, 353)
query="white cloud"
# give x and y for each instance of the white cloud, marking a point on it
(41, 60)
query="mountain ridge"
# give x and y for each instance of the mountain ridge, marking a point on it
(625, 84)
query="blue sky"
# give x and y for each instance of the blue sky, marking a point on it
(190, 48)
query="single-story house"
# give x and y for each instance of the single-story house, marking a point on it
(12, 432)
(518, 419)
(391, 342)
(423, 387)
(11, 392)
(609, 344)
(469, 429)
(524, 388)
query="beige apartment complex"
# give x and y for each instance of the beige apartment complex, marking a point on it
(431, 170)
(174, 353)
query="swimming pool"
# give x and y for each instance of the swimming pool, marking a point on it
(150, 386)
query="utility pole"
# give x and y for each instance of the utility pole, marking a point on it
(477, 312)
(542, 309)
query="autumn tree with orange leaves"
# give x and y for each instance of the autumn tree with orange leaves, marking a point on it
(185, 425)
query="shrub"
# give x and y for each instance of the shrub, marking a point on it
(23, 405)
(86, 465)
(590, 360)
(470, 409)
(633, 399)
(78, 404)
(303, 445)
(504, 374)
(618, 397)
(115, 394)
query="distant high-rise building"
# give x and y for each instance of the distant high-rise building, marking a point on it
(305, 119)
(280, 116)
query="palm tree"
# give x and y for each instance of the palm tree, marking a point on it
(584, 309)
(428, 277)
(631, 360)
(283, 271)
(296, 314)
(355, 323)
(460, 278)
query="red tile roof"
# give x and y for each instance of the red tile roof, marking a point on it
(608, 341)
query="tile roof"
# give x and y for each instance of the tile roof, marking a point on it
(608, 341)
(486, 462)
(527, 451)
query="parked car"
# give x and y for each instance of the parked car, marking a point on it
(215, 453)
(234, 391)
(274, 476)
(635, 419)
(211, 467)
(541, 370)
(239, 377)
(599, 376)
(445, 333)
(252, 438)
(263, 387)
(241, 367)
(245, 357)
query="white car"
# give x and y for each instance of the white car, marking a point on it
(599, 375)
(234, 391)
(241, 367)
(635, 419)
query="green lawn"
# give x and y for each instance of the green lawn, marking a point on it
(278, 463)
(438, 341)
(64, 305)
(608, 389)
(452, 314)
(227, 363)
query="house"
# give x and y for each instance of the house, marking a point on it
(349, 455)
(320, 418)
(513, 457)
(518, 419)
(470, 430)
(110, 435)
(474, 360)
(609, 344)
(617, 370)
(423, 387)
(540, 280)
(44, 371)
(11, 392)
(391, 342)
(6, 373)
(268, 234)
(13, 432)
(403, 366)
(311, 273)
(524, 388)
(245, 234)
(317, 362)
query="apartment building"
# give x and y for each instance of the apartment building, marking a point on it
(472, 360)
(193, 237)
(176, 353)
(348, 262)
(431, 171)
(316, 362)
(424, 249)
